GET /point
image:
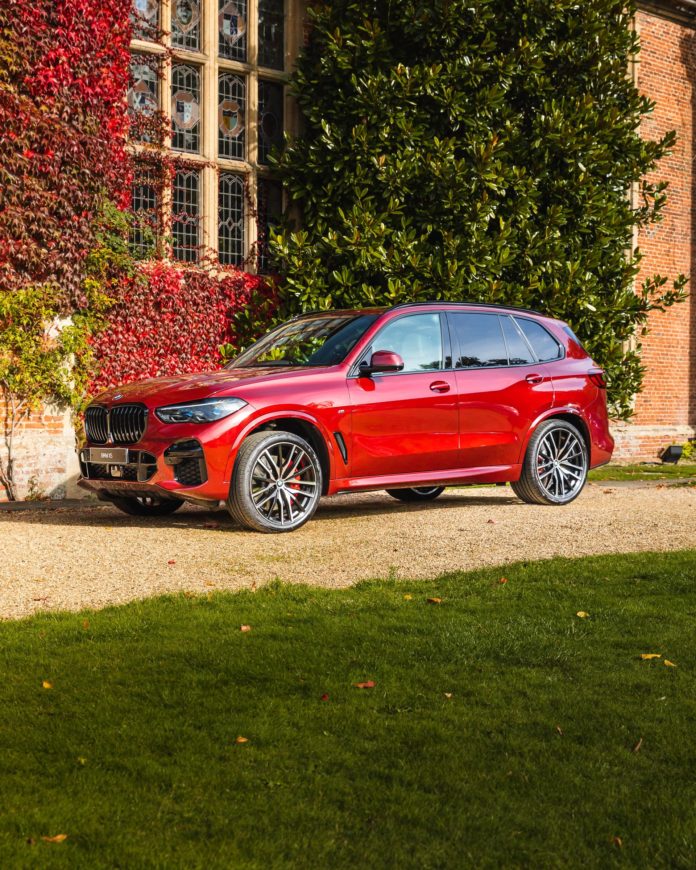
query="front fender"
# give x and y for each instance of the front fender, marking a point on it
(287, 413)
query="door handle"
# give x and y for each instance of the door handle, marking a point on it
(440, 387)
(534, 379)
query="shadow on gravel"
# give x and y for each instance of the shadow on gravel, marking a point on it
(205, 519)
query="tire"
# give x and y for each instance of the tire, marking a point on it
(555, 465)
(147, 505)
(417, 493)
(276, 484)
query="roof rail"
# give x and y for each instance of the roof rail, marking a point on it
(470, 305)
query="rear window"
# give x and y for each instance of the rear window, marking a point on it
(518, 349)
(569, 332)
(543, 343)
(480, 340)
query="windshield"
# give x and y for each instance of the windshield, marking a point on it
(310, 341)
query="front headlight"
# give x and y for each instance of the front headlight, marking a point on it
(202, 411)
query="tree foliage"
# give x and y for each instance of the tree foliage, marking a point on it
(478, 150)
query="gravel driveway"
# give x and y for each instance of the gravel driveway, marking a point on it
(67, 559)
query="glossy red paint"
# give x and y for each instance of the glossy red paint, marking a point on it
(401, 428)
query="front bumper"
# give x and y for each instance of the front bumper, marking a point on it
(178, 469)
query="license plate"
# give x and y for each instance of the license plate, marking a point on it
(108, 455)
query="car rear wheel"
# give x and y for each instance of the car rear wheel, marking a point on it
(555, 465)
(147, 505)
(277, 482)
(417, 493)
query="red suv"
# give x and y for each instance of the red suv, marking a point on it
(409, 399)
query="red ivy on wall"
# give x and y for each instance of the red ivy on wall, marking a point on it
(63, 80)
(170, 320)
(64, 124)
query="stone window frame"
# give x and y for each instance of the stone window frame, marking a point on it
(210, 64)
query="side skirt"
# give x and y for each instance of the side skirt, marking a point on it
(450, 477)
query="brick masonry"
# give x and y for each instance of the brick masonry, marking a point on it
(45, 459)
(665, 412)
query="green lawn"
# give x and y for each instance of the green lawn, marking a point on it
(643, 472)
(530, 763)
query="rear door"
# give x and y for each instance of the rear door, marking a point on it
(501, 387)
(406, 422)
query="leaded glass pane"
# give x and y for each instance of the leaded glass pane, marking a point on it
(143, 96)
(186, 24)
(271, 33)
(270, 118)
(145, 18)
(186, 215)
(231, 219)
(232, 29)
(231, 109)
(269, 208)
(186, 111)
(145, 209)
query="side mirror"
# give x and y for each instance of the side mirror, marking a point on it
(382, 361)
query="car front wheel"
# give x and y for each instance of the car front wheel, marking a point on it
(555, 465)
(277, 482)
(417, 493)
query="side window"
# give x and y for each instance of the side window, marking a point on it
(480, 340)
(417, 338)
(518, 350)
(543, 343)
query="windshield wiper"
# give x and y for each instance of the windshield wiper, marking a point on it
(271, 362)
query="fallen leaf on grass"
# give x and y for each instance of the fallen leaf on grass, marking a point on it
(58, 838)
(245, 628)
(46, 685)
(434, 600)
(669, 663)
(324, 697)
(85, 624)
(503, 580)
(618, 842)
(647, 656)
(369, 684)
(81, 760)
(636, 748)
(448, 695)
(559, 730)
(583, 614)
(241, 739)
(408, 597)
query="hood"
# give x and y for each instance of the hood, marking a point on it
(181, 388)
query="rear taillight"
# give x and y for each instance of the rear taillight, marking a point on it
(598, 380)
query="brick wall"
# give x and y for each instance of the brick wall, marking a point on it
(45, 459)
(665, 412)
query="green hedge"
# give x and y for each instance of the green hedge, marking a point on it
(476, 150)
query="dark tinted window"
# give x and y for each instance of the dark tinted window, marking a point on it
(569, 331)
(480, 340)
(543, 343)
(518, 350)
(417, 339)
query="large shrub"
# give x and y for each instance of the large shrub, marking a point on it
(477, 150)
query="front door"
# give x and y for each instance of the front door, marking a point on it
(406, 422)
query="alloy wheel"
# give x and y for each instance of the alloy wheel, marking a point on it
(284, 484)
(561, 464)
